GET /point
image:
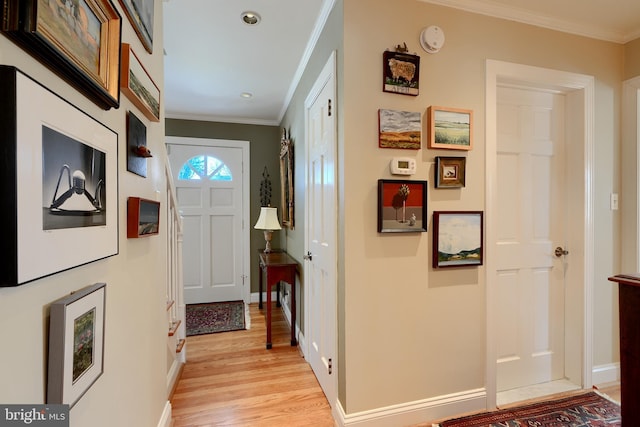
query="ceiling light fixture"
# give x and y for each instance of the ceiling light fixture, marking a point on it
(246, 95)
(250, 18)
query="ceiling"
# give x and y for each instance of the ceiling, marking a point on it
(212, 57)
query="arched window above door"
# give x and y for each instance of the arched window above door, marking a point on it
(205, 167)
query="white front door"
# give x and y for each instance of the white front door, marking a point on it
(209, 187)
(532, 223)
(321, 231)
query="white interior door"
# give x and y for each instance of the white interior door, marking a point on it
(321, 223)
(532, 222)
(209, 185)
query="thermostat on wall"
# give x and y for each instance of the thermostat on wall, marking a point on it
(403, 166)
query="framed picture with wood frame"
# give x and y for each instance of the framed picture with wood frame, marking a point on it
(80, 43)
(138, 85)
(450, 172)
(450, 128)
(140, 14)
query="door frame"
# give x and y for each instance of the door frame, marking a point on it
(630, 213)
(245, 146)
(579, 90)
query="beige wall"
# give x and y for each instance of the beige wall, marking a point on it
(632, 59)
(132, 390)
(411, 332)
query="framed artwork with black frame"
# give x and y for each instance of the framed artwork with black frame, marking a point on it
(401, 73)
(80, 43)
(76, 344)
(457, 239)
(450, 172)
(402, 206)
(59, 183)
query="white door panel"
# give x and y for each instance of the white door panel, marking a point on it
(212, 211)
(321, 231)
(532, 215)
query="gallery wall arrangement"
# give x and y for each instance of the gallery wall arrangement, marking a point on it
(402, 203)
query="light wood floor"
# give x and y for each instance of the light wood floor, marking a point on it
(231, 379)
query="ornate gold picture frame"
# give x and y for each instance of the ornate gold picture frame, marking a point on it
(286, 180)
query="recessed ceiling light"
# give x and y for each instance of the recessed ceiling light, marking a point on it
(250, 18)
(246, 95)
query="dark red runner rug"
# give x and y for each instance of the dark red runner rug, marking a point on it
(214, 317)
(583, 410)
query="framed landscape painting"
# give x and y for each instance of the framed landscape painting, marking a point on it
(76, 344)
(141, 15)
(138, 85)
(457, 238)
(78, 40)
(399, 129)
(450, 128)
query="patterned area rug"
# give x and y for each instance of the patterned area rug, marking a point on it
(590, 409)
(214, 317)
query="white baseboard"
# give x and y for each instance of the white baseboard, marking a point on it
(603, 374)
(415, 412)
(165, 419)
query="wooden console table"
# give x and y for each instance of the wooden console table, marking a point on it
(278, 266)
(629, 307)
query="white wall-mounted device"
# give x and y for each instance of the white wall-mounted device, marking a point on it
(432, 39)
(402, 166)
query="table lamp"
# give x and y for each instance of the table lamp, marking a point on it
(268, 221)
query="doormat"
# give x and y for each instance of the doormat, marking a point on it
(583, 410)
(214, 317)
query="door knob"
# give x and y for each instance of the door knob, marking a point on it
(308, 256)
(560, 252)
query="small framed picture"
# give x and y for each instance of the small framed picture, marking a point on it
(76, 344)
(402, 206)
(401, 73)
(450, 128)
(457, 238)
(450, 172)
(399, 129)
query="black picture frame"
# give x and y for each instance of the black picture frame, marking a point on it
(401, 73)
(137, 152)
(86, 56)
(43, 145)
(458, 239)
(402, 206)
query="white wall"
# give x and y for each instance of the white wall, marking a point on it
(132, 390)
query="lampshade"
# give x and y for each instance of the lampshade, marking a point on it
(268, 219)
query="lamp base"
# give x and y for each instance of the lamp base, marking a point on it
(268, 234)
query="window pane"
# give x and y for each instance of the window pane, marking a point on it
(203, 166)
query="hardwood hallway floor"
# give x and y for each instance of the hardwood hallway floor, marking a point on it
(231, 379)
